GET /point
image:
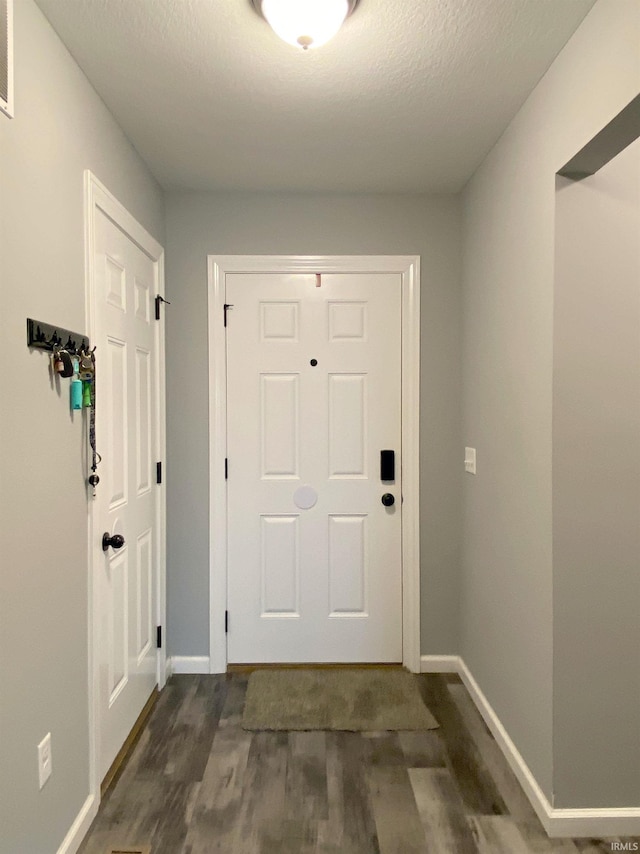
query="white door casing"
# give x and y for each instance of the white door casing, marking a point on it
(313, 396)
(126, 586)
(407, 269)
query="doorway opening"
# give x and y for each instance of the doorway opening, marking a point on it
(406, 270)
(127, 572)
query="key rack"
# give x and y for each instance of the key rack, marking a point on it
(44, 336)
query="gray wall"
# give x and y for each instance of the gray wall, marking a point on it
(61, 127)
(508, 285)
(596, 487)
(202, 223)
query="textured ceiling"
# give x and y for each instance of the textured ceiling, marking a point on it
(409, 96)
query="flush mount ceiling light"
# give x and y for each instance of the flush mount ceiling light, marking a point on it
(305, 23)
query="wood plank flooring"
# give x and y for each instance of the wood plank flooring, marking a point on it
(197, 783)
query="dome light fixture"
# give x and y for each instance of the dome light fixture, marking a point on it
(305, 23)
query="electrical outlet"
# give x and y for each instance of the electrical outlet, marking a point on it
(470, 460)
(44, 759)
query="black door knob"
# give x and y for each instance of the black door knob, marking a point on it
(388, 500)
(116, 541)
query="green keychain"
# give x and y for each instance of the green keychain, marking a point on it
(86, 393)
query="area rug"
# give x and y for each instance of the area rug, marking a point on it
(343, 699)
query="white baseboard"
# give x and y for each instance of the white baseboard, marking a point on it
(440, 663)
(513, 756)
(190, 664)
(80, 826)
(595, 823)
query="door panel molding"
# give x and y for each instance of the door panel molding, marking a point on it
(408, 266)
(98, 200)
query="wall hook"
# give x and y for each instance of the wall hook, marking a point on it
(44, 336)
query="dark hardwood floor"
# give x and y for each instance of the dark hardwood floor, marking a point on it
(197, 783)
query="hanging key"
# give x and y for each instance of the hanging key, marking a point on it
(93, 481)
(57, 364)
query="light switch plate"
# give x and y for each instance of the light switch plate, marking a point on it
(44, 759)
(470, 460)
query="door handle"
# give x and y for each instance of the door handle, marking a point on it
(388, 500)
(116, 541)
(387, 465)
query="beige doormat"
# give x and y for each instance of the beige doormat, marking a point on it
(354, 700)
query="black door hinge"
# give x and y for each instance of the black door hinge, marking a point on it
(158, 472)
(159, 637)
(227, 306)
(226, 468)
(226, 622)
(160, 299)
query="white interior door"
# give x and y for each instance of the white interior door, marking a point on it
(127, 495)
(314, 396)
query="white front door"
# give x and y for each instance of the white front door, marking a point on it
(127, 495)
(314, 396)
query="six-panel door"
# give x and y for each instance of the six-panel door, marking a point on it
(314, 393)
(126, 494)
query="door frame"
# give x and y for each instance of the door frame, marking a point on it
(98, 198)
(408, 267)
